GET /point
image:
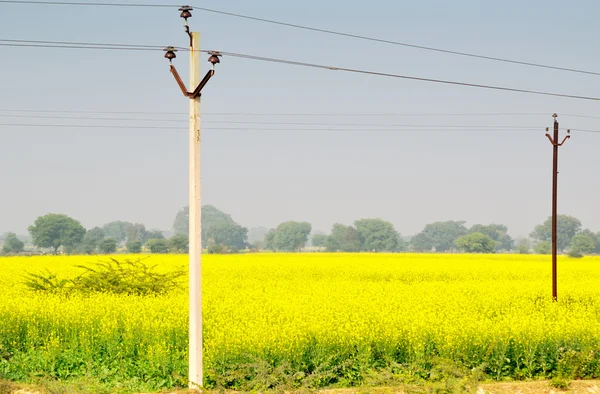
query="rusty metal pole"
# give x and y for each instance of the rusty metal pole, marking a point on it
(554, 208)
(555, 145)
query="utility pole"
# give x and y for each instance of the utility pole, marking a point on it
(195, 365)
(555, 146)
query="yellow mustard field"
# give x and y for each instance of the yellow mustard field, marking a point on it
(310, 320)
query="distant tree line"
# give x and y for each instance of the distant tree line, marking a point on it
(221, 234)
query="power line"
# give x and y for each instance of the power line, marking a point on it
(88, 4)
(314, 29)
(381, 114)
(87, 44)
(392, 42)
(334, 68)
(263, 122)
(586, 130)
(390, 75)
(261, 129)
(113, 48)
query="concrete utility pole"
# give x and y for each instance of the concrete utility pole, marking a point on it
(195, 366)
(555, 146)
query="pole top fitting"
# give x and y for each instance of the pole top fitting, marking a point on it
(185, 12)
(555, 116)
(170, 53)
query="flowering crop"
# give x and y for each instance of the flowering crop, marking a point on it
(310, 319)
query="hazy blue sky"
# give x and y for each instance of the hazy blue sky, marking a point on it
(264, 177)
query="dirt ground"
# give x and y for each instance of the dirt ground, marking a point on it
(537, 387)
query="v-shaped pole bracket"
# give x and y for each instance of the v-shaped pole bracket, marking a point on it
(214, 59)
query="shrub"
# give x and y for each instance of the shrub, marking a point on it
(131, 277)
(134, 246)
(107, 246)
(217, 249)
(157, 246)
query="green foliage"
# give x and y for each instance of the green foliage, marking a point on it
(543, 247)
(567, 227)
(582, 244)
(257, 234)
(560, 383)
(217, 227)
(181, 224)
(116, 230)
(343, 239)
(91, 241)
(45, 281)
(318, 240)
(231, 235)
(131, 277)
(377, 235)
(289, 236)
(108, 246)
(56, 230)
(270, 239)
(134, 246)
(524, 246)
(476, 243)
(158, 246)
(179, 243)
(497, 232)
(136, 231)
(217, 249)
(439, 235)
(154, 234)
(12, 244)
(421, 243)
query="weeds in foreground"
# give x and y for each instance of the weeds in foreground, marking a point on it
(130, 277)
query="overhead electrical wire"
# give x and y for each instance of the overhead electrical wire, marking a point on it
(82, 45)
(391, 75)
(291, 114)
(344, 69)
(96, 4)
(262, 129)
(314, 29)
(261, 122)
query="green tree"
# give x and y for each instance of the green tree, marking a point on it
(181, 224)
(12, 244)
(270, 239)
(56, 230)
(377, 235)
(179, 243)
(291, 236)
(343, 239)
(567, 227)
(158, 246)
(443, 234)
(257, 234)
(231, 235)
(583, 243)
(108, 246)
(91, 240)
(524, 246)
(134, 246)
(543, 247)
(421, 243)
(217, 227)
(497, 232)
(318, 240)
(116, 230)
(153, 234)
(136, 231)
(475, 243)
